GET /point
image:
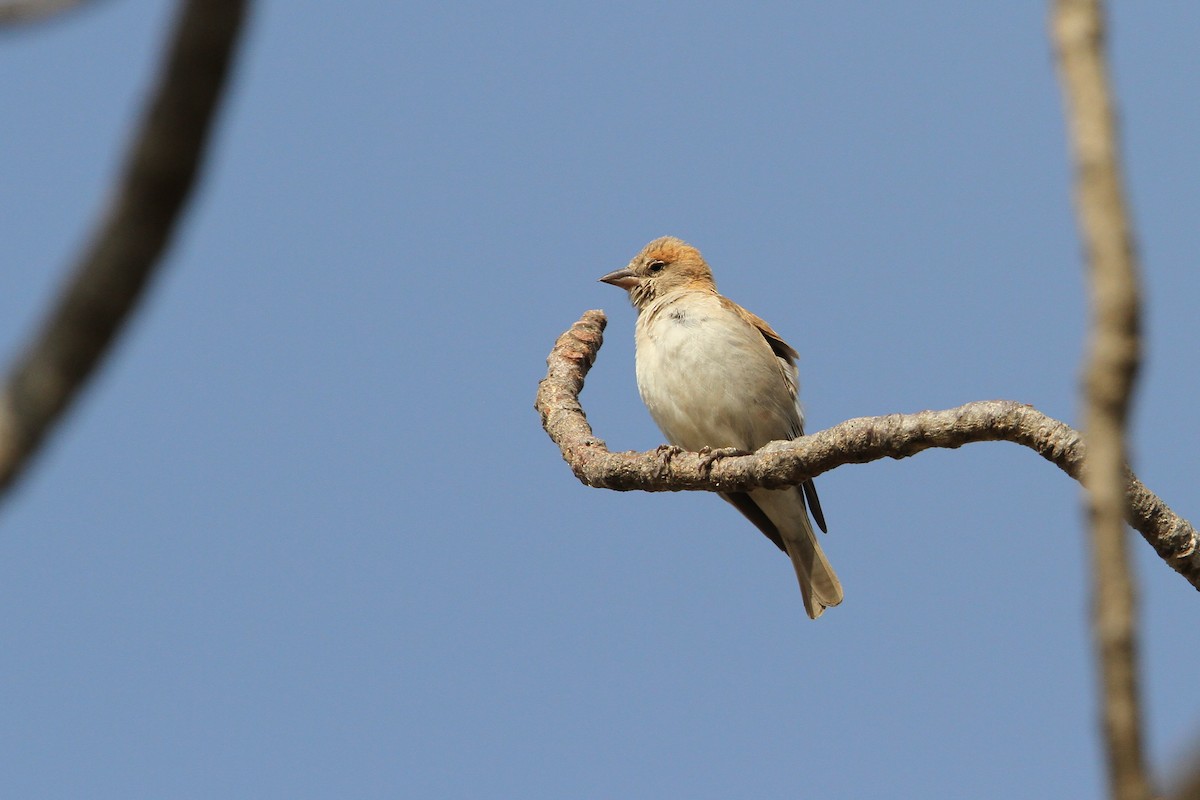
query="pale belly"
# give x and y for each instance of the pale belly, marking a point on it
(713, 385)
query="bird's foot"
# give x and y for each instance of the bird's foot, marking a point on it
(709, 456)
(665, 453)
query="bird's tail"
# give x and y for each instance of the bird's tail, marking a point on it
(785, 512)
(819, 584)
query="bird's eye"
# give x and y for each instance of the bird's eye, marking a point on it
(656, 265)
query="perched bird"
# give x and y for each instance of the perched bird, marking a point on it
(715, 376)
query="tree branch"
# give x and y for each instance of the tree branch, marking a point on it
(1110, 373)
(109, 278)
(1187, 785)
(856, 441)
(19, 12)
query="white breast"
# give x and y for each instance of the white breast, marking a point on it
(709, 378)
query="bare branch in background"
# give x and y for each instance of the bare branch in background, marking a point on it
(1187, 785)
(106, 283)
(1110, 372)
(19, 12)
(855, 441)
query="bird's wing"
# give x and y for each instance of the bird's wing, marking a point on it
(786, 356)
(750, 510)
(783, 351)
(814, 504)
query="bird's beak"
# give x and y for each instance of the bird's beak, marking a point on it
(622, 278)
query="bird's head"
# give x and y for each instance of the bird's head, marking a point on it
(665, 265)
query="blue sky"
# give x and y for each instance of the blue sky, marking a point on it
(304, 537)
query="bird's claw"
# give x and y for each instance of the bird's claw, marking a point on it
(665, 453)
(709, 456)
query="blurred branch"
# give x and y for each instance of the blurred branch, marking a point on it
(107, 281)
(1187, 785)
(19, 12)
(1110, 373)
(855, 441)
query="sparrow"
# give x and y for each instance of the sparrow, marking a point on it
(715, 376)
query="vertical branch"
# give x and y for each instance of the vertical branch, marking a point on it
(1109, 375)
(113, 271)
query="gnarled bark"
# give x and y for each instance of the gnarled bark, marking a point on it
(854, 441)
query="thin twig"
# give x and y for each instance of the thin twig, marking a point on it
(856, 441)
(109, 278)
(1110, 373)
